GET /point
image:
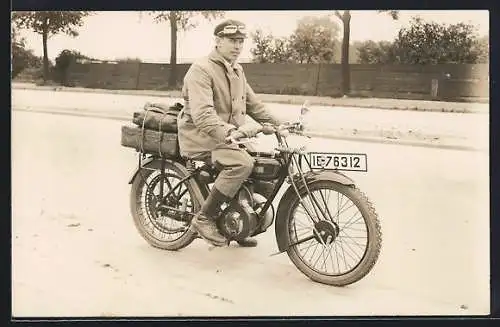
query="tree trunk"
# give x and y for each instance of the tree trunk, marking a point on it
(172, 81)
(45, 34)
(346, 71)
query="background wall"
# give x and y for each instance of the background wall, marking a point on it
(455, 81)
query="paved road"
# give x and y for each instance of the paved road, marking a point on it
(434, 128)
(76, 253)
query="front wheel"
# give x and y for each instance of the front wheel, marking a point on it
(333, 233)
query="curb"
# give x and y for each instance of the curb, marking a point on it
(290, 99)
(75, 112)
(394, 142)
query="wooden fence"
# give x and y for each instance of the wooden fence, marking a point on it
(439, 82)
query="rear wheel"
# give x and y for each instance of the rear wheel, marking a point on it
(164, 228)
(339, 246)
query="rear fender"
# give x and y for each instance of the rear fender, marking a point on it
(155, 164)
(148, 163)
(311, 178)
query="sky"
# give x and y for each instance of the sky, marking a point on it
(113, 35)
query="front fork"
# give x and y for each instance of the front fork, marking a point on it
(315, 217)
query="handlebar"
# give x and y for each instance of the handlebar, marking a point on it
(267, 129)
(300, 150)
(243, 140)
(281, 132)
(285, 129)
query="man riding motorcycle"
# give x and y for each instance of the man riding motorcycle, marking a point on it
(217, 98)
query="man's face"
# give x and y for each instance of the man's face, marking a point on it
(230, 47)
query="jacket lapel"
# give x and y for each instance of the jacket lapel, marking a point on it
(233, 75)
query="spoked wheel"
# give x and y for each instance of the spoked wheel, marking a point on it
(163, 224)
(336, 239)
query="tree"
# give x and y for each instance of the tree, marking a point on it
(432, 43)
(63, 62)
(353, 52)
(270, 49)
(346, 23)
(180, 20)
(481, 48)
(371, 52)
(313, 41)
(49, 23)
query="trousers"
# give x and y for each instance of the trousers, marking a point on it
(235, 166)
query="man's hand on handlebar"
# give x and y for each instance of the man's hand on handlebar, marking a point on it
(251, 130)
(282, 130)
(234, 136)
(268, 129)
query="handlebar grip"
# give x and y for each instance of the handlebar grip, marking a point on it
(268, 129)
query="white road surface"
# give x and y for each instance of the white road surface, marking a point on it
(75, 251)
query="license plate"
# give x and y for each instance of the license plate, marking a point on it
(339, 161)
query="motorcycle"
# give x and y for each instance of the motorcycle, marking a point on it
(166, 192)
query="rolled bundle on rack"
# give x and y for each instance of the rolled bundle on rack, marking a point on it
(155, 130)
(158, 116)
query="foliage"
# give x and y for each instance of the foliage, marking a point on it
(183, 20)
(313, 41)
(129, 60)
(353, 52)
(393, 13)
(432, 43)
(481, 49)
(370, 52)
(346, 24)
(64, 61)
(270, 49)
(67, 57)
(21, 56)
(428, 43)
(49, 23)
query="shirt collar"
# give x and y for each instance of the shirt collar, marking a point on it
(217, 57)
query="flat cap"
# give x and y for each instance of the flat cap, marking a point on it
(231, 28)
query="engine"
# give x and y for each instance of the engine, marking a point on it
(266, 168)
(240, 218)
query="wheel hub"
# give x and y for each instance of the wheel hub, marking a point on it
(230, 223)
(233, 223)
(326, 231)
(236, 223)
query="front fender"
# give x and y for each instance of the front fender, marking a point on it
(310, 177)
(322, 175)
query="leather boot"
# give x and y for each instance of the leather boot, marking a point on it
(204, 221)
(207, 229)
(247, 242)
